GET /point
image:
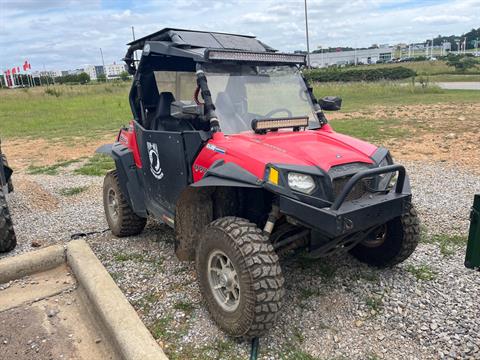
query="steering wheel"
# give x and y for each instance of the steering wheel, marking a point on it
(277, 110)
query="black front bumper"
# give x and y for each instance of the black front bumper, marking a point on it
(345, 217)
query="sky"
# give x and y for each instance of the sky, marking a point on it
(67, 34)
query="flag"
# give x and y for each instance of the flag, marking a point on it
(26, 66)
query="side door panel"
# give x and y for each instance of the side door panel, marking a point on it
(164, 167)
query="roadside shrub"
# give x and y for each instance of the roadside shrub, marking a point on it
(345, 75)
(52, 91)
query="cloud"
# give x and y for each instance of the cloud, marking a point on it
(64, 34)
(441, 19)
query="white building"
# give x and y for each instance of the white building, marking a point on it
(368, 56)
(94, 71)
(114, 70)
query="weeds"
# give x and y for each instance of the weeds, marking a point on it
(374, 303)
(422, 272)
(184, 306)
(121, 257)
(53, 91)
(73, 190)
(49, 170)
(97, 165)
(159, 328)
(449, 244)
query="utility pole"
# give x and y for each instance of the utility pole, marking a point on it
(134, 53)
(306, 33)
(103, 64)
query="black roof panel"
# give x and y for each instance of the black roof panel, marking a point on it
(205, 39)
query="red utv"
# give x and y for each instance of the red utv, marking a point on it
(229, 147)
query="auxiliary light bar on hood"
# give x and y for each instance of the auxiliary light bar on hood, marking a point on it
(262, 125)
(251, 56)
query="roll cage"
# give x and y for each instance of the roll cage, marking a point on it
(179, 50)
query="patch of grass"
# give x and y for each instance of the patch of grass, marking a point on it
(88, 111)
(145, 303)
(53, 91)
(374, 303)
(449, 244)
(422, 272)
(97, 165)
(293, 353)
(358, 96)
(121, 257)
(73, 190)
(50, 169)
(159, 328)
(374, 130)
(184, 306)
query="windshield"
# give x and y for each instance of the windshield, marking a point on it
(243, 93)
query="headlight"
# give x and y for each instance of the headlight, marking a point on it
(301, 182)
(387, 180)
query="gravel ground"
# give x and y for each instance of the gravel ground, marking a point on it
(425, 308)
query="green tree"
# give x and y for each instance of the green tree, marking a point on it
(124, 76)
(83, 78)
(101, 78)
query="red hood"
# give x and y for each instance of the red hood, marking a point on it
(322, 148)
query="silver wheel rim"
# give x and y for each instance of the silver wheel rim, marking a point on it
(223, 281)
(112, 203)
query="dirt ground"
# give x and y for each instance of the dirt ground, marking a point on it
(437, 132)
(41, 152)
(44, 316)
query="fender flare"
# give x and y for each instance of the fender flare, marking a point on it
(228, 174)
(105, 149)
(127, 175)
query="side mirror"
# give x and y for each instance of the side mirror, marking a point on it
(188, 110)
(331, 103)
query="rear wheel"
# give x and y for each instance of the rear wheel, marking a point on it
(391, 243)
(8, 240)
(120, 217)
(239, 276)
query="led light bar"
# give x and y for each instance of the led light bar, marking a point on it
(261, 57)
(262, 125)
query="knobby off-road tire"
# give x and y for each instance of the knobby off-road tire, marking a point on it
(258, 273)
(401, 239)
(8, 240)
(3, 159)
(120, 217)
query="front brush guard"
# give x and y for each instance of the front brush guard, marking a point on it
(345, 217)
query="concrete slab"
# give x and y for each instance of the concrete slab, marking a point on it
(63, 304)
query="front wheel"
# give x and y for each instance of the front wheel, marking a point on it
(391, 243)
(121, 219)
(239, 277)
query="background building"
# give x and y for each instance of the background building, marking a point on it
(368, 56)
(94, 71)
(114, 70)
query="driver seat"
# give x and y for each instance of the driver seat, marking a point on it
(163, 121)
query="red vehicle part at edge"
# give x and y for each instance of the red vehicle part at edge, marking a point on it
(128, 138)
(323, 148)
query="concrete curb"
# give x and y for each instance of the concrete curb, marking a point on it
(131, 337)
(128, 334)
(15, 267)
